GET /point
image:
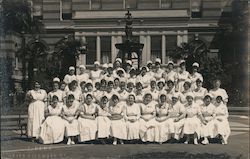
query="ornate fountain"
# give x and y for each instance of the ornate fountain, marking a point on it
(130, 46)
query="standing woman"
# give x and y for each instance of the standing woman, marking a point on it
(52, 129)
(132, 116)
(147, 120)
(199, 92)
(191, 123)
(139, 93)
(187, 89)
(206, 117)
(219, 91)
(195, 75)
(71, 76)
(122, 93)
(96, 73)
(103, 121)
(36, 110)
(83, 75)
(181, 76)
(153, 89)
(69, 114)
(87, 120)
(162, 126)
(222, 127)
(118, 126)
(56, 91)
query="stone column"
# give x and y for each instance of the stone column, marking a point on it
(143, 40)
(98, 48)
(163, 48)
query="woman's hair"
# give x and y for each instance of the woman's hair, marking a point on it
(82, 83)
(70, 96)
(104, 97)
(89, 95)
(54, 97)
(114, 97)
(110, 82)
(148, 94)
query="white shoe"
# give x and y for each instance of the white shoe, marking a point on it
(205, 141)
(69, 142)
(115, 143)
(186, 142)
(195, 142)
(72, 143)
(121, 142)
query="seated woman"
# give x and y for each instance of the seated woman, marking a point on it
(206, 117)
(103, 122)
(52, 129)
(176, 114)
(69, 114)
(162, 126)
(191, 123)
(87, 119)
(147, 120)
(132, 116)
(118, 126)
(221, 123)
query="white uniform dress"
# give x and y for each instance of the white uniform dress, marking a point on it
(52, 129)
(82, 77)
(147, 128)
(70, 113)
(95, 75)
(87, 127)
(69, 78)
(162, 127)
(193, 78)
(103, 122)
(192, 122)
(132, 112)
(58, 93)
(219, 91)
(199, 94)
(176, 127)
(207, 130)
(118, 127)
(123, 95)
(221, 127)
(36, 112)
(158, 74)
(145, 80)
(181, 78)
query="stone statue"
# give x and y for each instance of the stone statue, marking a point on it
(128, 28)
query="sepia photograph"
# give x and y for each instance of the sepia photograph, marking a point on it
(129, 79)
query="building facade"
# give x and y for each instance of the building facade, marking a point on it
(161, 25)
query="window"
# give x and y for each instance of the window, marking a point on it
(112, 4)
(131, 4)
(166, 4)
(171, 43)
(96, 4)
(156, 47)
(91, 50)
(66, 9)
(37, 9)
(148, 4)
(80, 5)
(196, 9)
(106, 49)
